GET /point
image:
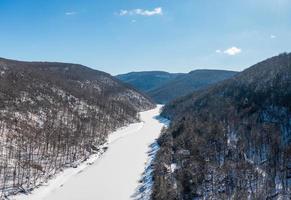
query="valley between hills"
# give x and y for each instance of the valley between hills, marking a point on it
(70, 132)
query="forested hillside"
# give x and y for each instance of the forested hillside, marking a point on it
(230, 141)
(54, 115)
(188, 83)
(163, 87)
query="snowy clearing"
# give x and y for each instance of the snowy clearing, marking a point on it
(112, 175)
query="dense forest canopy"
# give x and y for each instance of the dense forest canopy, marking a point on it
(231, 140)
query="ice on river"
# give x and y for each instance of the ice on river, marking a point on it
(113, 176)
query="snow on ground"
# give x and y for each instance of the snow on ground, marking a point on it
(114, 175)
(144, 190)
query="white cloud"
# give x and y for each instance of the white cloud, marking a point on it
(232, 51)
(218, 51)
(142, 12)
(71, 13)
(273, 36)
(123, 12)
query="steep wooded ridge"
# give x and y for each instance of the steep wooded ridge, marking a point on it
(54, 115)
(163, 87)
(231, 140)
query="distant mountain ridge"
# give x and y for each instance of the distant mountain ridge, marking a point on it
(164, 87)
(183, 85)
(147, 80)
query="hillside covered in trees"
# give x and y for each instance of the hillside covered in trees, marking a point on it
(231, 140)
(148, 80)
(55, 115)
(163, 87)
(188, 83)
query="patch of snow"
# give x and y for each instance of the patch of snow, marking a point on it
(261, 171)
(231, 138)
(174, 167)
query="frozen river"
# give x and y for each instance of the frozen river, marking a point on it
(114, 175)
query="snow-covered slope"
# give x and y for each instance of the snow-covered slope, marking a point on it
(55, 115)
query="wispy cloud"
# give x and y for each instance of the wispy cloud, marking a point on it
(273, 36)
(232, 51)
(142, 12)
(70, 13)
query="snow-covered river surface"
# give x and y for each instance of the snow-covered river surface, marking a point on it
(114, 175)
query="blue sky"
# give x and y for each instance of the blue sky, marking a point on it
(119, 36)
